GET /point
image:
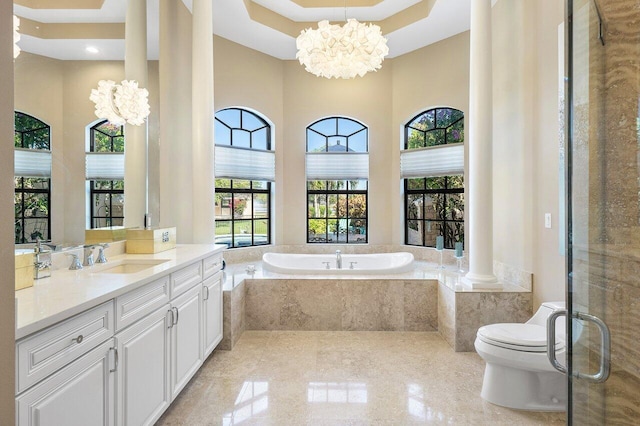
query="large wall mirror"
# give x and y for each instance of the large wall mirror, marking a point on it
(53, 81)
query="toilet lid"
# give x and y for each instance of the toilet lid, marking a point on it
(527, 337)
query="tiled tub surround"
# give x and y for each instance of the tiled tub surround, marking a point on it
(425, 299)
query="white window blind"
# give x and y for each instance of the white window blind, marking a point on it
(105, 166)
(242, 163)
(32, 163)
(443, 160)
(337, 166)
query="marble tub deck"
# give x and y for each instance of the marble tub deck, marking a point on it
(424, 299)
(342, 378)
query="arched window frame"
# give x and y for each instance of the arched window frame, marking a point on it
(243, 203)
(434, 204)
(32, 196)
(337, 179)
(106, 194)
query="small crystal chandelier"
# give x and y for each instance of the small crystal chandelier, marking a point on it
(121, 103)
(16, 36)
(334, 51)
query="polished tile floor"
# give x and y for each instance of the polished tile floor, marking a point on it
(342, 378)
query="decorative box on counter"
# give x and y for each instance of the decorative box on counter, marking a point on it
(105, 235)
(24, 270)
(148, 241)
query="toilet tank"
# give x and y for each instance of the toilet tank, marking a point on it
(543, 312)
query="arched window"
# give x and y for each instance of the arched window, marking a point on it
(432, 164)
(244, 170)
(337, 181)
(106, 195)
(32, 181)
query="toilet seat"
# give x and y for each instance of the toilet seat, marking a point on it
(518, 337)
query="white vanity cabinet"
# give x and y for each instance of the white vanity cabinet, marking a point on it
(65, 373)
(122, 362)
(186, 343)
(81, 393)
(212, 313)
(143, 341)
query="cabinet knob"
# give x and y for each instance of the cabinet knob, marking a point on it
(78, 339)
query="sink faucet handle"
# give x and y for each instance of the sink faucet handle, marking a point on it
(326, 265)
(75, 262)
(88, 255)
(101, 257)
(351, 265)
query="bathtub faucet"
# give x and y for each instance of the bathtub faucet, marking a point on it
(338, 259)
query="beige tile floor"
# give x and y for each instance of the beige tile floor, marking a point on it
(342, 378)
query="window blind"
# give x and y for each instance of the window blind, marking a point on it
(443, 160)
(32, 163)
(242, 163)
(337, 166)
(105, 166)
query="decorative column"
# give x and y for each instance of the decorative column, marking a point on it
(479, 176)
(135, 158)
(176, 177)
(202, 122)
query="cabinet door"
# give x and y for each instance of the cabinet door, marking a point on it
(142, 381)
(186, 338)
(212, 313)
(82, 393)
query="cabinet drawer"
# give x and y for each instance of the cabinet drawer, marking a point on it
(211, 265)
(138, 303)
(49, 350)
(185, 278)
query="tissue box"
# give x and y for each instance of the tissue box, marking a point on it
(105, 235)
(148, 241)
(24, 270)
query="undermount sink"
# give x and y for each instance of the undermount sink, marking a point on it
(128, 266)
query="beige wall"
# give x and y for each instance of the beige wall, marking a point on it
(250, 79)
(7, 295)
(525, 128)
(526, 146)
(308, 98)
(434, 76)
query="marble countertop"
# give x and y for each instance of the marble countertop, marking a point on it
(67, 293)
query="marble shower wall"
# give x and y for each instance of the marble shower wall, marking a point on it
(606, 205)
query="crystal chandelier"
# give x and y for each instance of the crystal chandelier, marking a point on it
(334, 51)
(121, 103)
(16, 36)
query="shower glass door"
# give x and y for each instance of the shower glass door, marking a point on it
(603, 210)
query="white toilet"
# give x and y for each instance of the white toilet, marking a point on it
(518, 373)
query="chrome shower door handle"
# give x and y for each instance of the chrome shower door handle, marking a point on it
(551, 340)
(605, 350)
(605, 346)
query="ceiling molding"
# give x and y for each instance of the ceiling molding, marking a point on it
(60, 4)
(404, 18)
(95, 31)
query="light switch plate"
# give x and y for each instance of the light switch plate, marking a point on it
(547, 220)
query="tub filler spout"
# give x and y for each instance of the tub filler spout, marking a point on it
(338, 259)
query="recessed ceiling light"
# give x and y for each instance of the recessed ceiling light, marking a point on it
(92, 49)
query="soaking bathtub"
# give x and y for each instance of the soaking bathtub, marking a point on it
(352, 264)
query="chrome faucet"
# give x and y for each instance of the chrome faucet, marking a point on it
(88, 255)
(42, 260)
(101, 257)
(338, 259)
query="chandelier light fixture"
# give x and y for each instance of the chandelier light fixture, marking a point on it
(121, 103)
(16, 36)
(334, 51)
